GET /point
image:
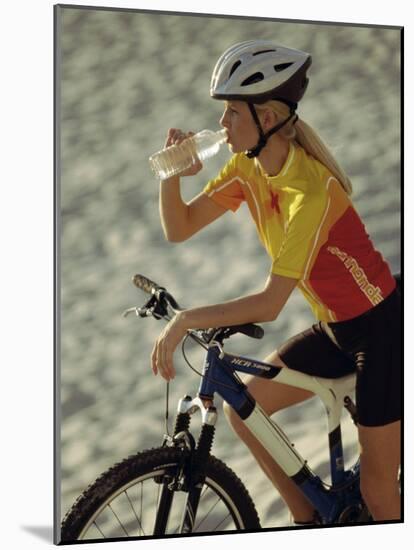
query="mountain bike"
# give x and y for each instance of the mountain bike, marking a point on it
(180, 488)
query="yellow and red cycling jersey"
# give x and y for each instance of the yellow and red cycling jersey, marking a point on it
(311, 231)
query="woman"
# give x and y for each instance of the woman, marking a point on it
(298, 197)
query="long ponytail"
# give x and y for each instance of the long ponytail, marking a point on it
(307, 138)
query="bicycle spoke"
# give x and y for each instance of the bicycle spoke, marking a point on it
(157, 504)
(97, 526)
(119, 521)
(208, 513)
(206, 488)
(138, 509)
(221, 522)
(141, 501)
(133, 509)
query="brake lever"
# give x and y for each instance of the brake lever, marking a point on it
(129, 311)
(139, 311)
(154, 307)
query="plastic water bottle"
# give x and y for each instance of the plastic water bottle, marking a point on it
(176, 158)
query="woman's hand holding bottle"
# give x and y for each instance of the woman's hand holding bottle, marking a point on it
(184, 152)
(176, 136)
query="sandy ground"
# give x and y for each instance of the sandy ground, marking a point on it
(125, 78)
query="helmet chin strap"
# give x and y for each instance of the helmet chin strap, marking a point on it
(251, 153)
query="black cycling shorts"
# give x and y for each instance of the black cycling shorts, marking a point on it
(371, 345)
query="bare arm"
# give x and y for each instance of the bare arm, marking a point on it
(180, 220)
(260, 307)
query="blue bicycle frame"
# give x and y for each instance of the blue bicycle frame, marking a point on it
(220, 376)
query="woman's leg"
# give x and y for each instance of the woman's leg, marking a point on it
(380, 460)
(273, 397)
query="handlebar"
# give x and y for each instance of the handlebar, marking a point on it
(161, 301)
(146, 284)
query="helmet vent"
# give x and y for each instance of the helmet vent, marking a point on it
(282, 67)
(234, 67)
(263, 51)
(256, 77)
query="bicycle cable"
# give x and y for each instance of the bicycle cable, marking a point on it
(218, 382)
(167, 406)
(190, 334)
(185, 357)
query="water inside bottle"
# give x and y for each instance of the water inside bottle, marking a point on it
(170, 162)
(175, 159)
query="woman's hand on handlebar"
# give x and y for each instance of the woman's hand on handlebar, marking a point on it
(176, 136)
(164, 347)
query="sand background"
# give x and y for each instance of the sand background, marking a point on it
(125, 77)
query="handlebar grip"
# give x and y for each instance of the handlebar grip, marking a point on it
(145, 284)
(252, 330)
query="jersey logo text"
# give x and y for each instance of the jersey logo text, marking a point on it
(373, 293)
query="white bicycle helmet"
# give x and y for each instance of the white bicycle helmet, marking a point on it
(259, 70)
(256, 71)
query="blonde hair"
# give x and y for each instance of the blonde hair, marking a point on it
(307, 138)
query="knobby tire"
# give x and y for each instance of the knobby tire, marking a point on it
(128, 480)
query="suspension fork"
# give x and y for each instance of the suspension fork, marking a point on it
(191, 473)
(196, 472)
(169, 481)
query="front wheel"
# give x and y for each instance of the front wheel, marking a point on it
(123, 502)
